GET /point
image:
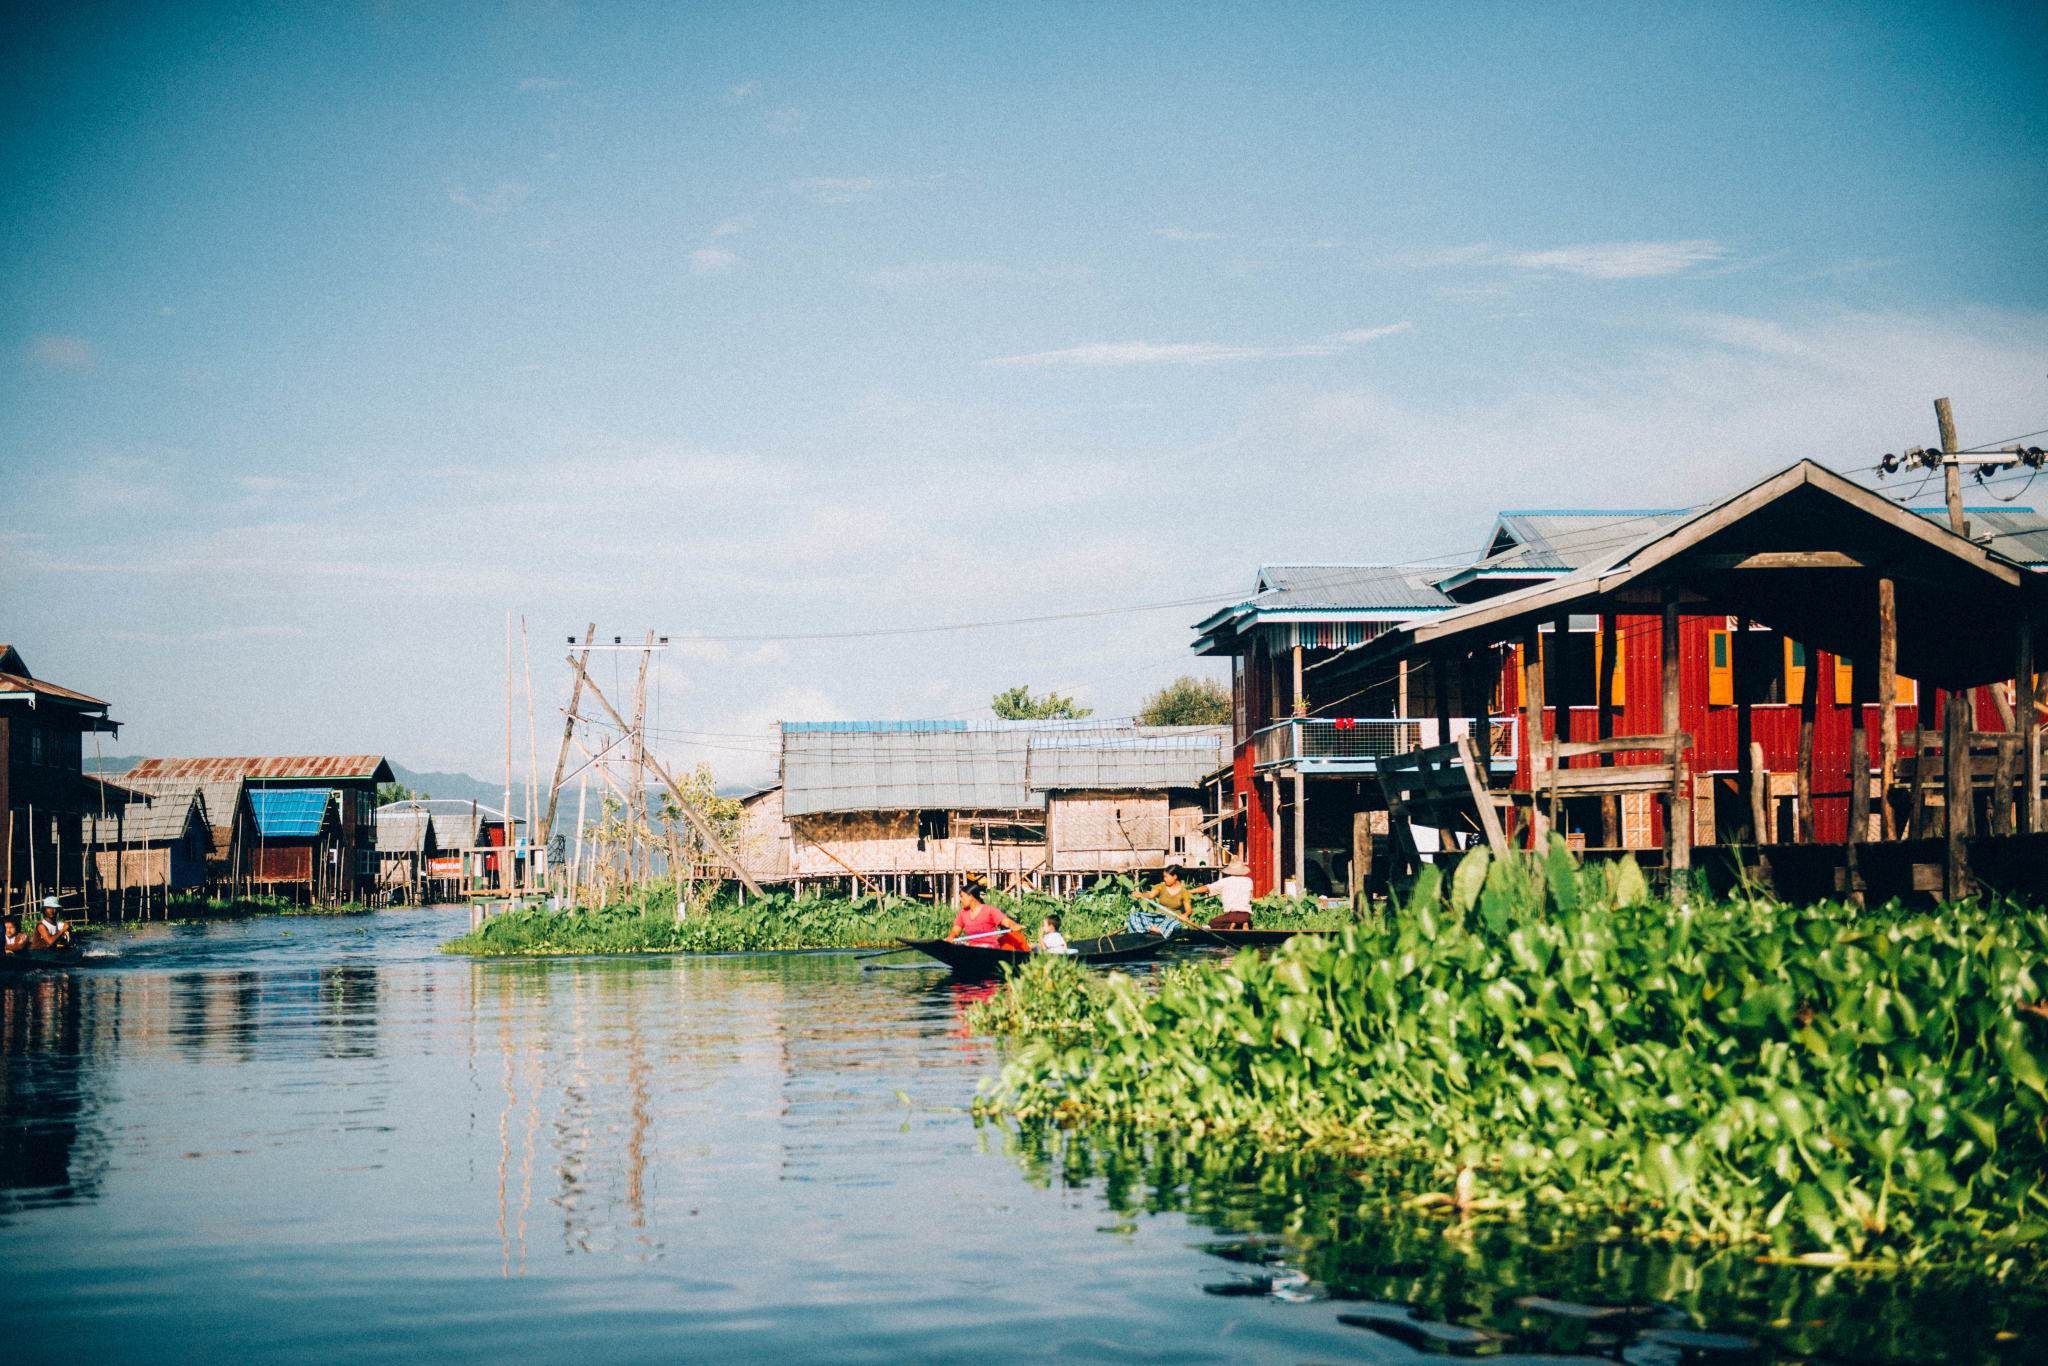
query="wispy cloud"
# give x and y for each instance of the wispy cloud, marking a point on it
(502, 196)
(1854, 266)
(927, 273)
(712, 261)
(1184, 235)
(1103, 354)
(1622, 260)
(544, 83)
(744, 90)
(787, 121)
(1592, 260)
(836, 189)
(60, 353)
(733, 225)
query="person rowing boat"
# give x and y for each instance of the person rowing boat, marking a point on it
(51, 932)
(1175, 900)
(982, 924)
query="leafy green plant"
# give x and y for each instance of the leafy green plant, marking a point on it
(1017, 704)
(1188, 701)
(1831, 1083)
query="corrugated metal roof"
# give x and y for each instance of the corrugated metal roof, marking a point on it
(1003, 766)
(162, 820)
(456, 822)
(1346, 587)
(2019, 534)
(1560, 541)
(403, 831)
(289, 767)
(23, 683)
(285, 812)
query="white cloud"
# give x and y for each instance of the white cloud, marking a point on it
(1183, 235)
(771, 653)
(712, 261)
(502, 196)
(931, 273)
(836, 189)
(61, 353)
(787, 121)
(733, 225)
(544, 83)
(1622, 260)
(744, 90)
(698, 649)
(1101, 354)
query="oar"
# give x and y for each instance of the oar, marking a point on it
(863, 957)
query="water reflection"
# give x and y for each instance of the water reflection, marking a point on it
(51, 1150)
(1308, 1227)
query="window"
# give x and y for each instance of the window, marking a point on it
(1850, 687)
(934, 825)
(1795, 672)
(35, 744)
(1579, 680)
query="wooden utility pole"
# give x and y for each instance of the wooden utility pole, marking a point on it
(639, 858)
(535, 860)
(507, 864)
(1951, 472)
(569, 729)
(690, 811)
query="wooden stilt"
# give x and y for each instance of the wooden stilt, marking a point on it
(1609, 659)
(1955, 793)
(1859, 803)
(1532, 729)
(1361, 862)
(1809, 700)
(1888, 702)
(2027, 704)
(1678, 827)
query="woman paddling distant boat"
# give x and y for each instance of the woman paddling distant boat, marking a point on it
(980, 923)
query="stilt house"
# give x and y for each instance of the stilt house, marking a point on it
(42, 791)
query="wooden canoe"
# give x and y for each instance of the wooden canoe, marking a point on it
(975, 960)
(1257, 939)
(37, 960)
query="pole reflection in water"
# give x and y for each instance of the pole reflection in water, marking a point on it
(51, 1152)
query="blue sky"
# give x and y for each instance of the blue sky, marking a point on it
(337, 332)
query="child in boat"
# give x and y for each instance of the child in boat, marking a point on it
(1050, 940)
(982, 924)
(17, 942)
(51, 932)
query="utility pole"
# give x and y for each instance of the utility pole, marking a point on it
(568, 730)
(638, 856)
(1951, 471)
(504, 866)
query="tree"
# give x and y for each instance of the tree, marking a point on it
(388, 793)
(1019, 705)
(1188, 701)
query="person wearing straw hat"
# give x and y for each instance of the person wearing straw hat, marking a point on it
(1234, 890)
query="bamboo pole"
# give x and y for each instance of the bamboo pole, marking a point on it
(507, 863)
(1609, 660)
(533, 833)
(569, 727)
(1956, 795)
(1809, 702)
(1677, 829)
(1888, 703)
(1532, 730)
(2027, 704)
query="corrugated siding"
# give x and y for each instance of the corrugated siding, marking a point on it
(289, 812)
(904, 771)
(1139, 764)
(279, 768)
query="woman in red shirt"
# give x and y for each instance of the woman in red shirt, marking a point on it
(980, 923)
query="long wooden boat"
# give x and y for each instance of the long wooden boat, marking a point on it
(1206, 938)
(976, 960)
(37, 960)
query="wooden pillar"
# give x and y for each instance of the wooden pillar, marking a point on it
(2001, 786)
(1888, 702)
(1809, 701)
(1361, 862)
(1609, 657)
(1273, 833)
(2029, 718)
(1532, 729)
(1479, 695)
(1955, 793)
(1300, 696)
(1859, 803)
(1678, 825)
(1301, 831)
(1556, 679)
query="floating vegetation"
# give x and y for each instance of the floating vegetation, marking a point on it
(1324, 1224)
(1544, 1043)
(645, 921)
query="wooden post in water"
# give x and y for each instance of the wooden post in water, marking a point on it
(1361, 862)
(1608, 658)
(1888, 702)
(1809, 701)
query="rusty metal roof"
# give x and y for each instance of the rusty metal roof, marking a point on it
(285, 768)
(21, 683)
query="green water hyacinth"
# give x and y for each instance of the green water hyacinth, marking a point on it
(1835, 1083)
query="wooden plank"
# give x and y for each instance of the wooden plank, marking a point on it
(1628, 778)
(1625, 743)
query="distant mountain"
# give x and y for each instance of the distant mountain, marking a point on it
(109, 765)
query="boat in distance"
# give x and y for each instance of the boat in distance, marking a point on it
(977, 960)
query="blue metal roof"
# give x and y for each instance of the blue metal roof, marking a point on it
(282, 812)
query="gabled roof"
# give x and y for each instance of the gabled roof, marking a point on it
(1529, 547)
(1957, 600)
(17, 680)
(222, 795)
(164, 819)
(285, 768)
(458, 824)
(1317, 593)
(2019, 534)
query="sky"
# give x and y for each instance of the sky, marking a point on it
(332, 334)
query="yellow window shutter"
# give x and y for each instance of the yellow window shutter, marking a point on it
(1845, 682)
(1620, 697)
(1795, 672)
(1720, 670)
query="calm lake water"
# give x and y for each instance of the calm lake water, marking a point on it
(319, 1138)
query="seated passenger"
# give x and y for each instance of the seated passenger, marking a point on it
(17, 941)
(982, 924)
(51, 932)
(1050, 940)
(1172, 897)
